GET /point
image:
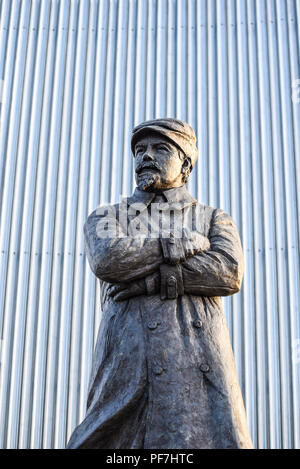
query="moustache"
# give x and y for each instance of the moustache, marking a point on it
(147, 165)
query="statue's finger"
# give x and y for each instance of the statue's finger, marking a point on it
(123, 295)
(115, 289)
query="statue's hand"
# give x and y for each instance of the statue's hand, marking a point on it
(123, 291)
(172, 248)
(177, 249)
(194, 243)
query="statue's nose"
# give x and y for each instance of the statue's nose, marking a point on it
(148, 156)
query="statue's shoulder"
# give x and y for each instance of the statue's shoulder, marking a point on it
(213, 215)
(103, 209)
(212, 212)
(108, 211)
(205, 211)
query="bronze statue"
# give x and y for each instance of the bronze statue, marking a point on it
(163, 373)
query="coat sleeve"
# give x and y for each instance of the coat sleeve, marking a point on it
(218, 271)
(117, 257)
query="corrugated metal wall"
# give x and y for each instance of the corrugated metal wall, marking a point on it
(77, 76)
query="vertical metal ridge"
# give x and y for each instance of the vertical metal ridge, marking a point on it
(268, 234)
(233, 136)
(31, 187)
(64, 167)
(287, 152)
(11, 207)
(241, 203)
(201, 168)
(42, 93)
(109, 102)
(119, 103)
(150, 62)
(241, 209)
(161, 60)
(49, 295)
(69, 288)
(91, 287)
(8, 45)
(33, 152)
(213, 176)
(222, 116)
(127, 177)
(140, 79)
(191, 97)
(294, 57)
(24, 194)
(181, 60)
(278, 228)
(5, 163)
(86, 345)
(171, 64)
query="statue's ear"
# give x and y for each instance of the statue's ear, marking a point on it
(186, 168)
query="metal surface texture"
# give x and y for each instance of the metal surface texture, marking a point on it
(76, 77)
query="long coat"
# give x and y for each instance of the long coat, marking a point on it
(163, 373)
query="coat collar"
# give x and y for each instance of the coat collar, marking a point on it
(176, 195)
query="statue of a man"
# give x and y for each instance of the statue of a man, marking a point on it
(163, 373)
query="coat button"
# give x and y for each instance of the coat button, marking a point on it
(171, 280)
(197, 323)
(152, 325)
(157, 370)
(204, 368)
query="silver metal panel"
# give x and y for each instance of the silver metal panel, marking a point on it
(76, 76)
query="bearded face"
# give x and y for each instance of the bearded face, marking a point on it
(159, 164)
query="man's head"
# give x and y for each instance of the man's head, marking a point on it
(165, 152)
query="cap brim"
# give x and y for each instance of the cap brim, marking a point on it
(138, 134)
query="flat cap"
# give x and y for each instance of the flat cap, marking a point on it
(177, 131)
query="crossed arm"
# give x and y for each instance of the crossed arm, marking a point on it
(211, 266)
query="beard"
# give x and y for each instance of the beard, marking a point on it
(147, 181)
